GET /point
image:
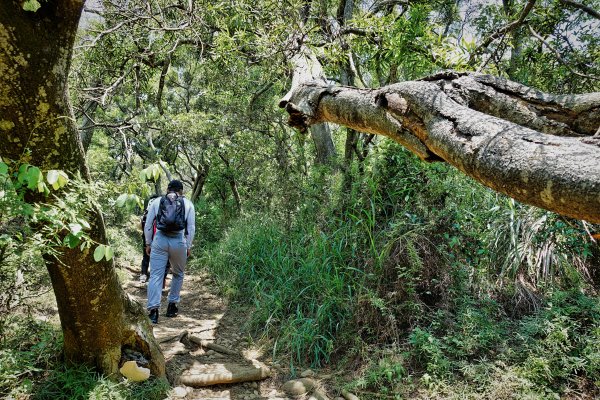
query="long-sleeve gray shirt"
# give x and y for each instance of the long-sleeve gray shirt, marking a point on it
(190, 218)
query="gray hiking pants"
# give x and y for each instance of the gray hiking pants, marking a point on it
(166, 247)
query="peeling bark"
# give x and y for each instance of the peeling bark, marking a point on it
(535, 147)
(37, 126)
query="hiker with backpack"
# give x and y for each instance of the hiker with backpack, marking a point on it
(175, 228)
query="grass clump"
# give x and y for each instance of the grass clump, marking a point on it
(299, 281)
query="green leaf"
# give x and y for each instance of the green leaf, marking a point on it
(3, 168)
(132, 200)
(122, 199)
(156, 172)
(63, 178)
(52, 176)
(109, 253)
(72, 241)
(99, 252)
(22, 176)
(34, 177)
(41, 187)
(143, 175)
(31, 5)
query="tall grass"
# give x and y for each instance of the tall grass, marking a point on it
(302, 282)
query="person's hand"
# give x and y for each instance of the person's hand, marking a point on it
(148, 248)
(189, 252)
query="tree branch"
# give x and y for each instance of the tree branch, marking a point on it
(590, 11)
(559, 57)
(505, 29)
(437, 120)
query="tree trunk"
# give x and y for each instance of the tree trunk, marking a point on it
(324, 147)
(201, 175)
(307, 68)
(37, 127)
(87, 128)
(538, 148)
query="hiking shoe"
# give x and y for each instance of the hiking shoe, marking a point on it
(143, 278)
(172, 310)
(153, 316)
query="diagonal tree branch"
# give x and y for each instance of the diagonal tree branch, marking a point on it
(590, 11)
(559, 57)
(446, 118)
(501, 32)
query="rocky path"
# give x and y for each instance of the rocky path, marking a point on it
(208, 319)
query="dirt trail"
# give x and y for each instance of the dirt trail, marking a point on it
(205, 315)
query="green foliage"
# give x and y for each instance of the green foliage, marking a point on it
(37, 221)
(301, 282)
(28, 349)
(71, 383)
(31, 367)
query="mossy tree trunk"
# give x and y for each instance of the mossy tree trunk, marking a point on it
(538, 148)
(37, 126)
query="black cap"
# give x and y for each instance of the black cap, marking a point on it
(175, 186)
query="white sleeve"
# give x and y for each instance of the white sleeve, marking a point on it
(149, 226)
(190, 214)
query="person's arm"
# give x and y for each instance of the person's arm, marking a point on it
(191, 224)
(148, 227)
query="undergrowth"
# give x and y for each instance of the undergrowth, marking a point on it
(31, 367)
(427, 285)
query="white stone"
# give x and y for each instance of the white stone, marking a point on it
(179, 392)
(133, 372)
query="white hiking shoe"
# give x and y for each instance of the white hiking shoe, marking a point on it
(143, 278)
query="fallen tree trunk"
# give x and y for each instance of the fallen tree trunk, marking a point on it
(538, 148)
(200, 375)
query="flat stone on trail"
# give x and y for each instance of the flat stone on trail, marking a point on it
(298, 387)
(179, 392)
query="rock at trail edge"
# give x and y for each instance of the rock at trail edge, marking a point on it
(298, 387)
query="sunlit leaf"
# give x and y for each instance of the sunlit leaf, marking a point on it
(52, 176)
(63, 178)
(84, 223)
(109, 253)
(75, 228)
(31, 5)
(99, 252)
(122, 199)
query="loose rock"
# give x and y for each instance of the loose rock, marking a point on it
(349, 396)
(298, 387)
(179, 392)
(318, 395)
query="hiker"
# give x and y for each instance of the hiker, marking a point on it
(145, 257)
(175, 228)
